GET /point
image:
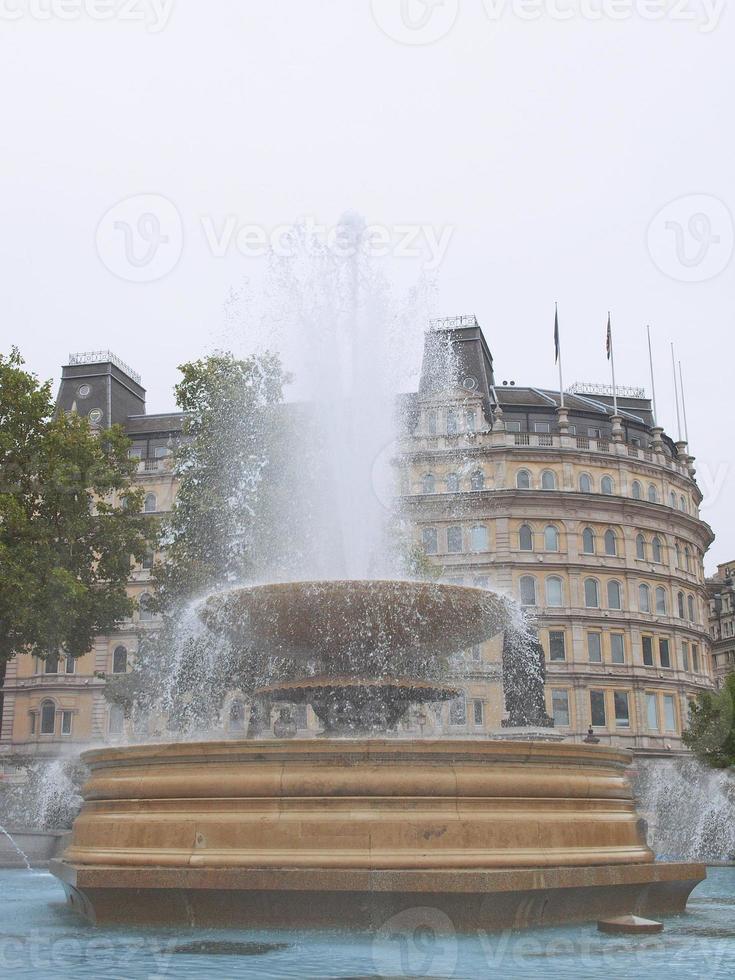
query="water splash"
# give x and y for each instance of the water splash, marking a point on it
(19, 850)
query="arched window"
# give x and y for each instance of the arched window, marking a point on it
(611, 542)
(525, 538)
(150, 503)
(687, 559)
(672, 499)
(554, 591)
(652, 494)
(591, 593)
(637, 490)
(236, 722)
(656, 550)
(528, 590)
(644, 598)
(677, 550)
(548, 480)
(477, 480)
(478, 538)
(614, 595)
(429, 539)
(585, 483)
(661, 609)
(588, 541)
(606, 485)
(523, 480)
(144, 608)
(48, 718)
(454, 540)
(119, 660)
(551, 538)
(452, 422)
(690, 608)
(680, 604)
(428, 483)
(452, 483)
(682, 504)
(640, 547)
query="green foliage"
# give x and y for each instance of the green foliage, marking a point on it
(711, 733)
(65, 551)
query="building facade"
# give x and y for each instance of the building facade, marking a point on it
(721, 592)
(588, 516)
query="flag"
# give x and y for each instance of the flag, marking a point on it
(556, 335)
(609, 338)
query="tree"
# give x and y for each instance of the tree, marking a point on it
(65, 548)
(711, 732)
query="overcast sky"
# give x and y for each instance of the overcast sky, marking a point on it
(530, 152)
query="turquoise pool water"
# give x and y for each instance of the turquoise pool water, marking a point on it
(40, 938)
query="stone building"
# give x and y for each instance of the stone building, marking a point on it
(589, 518)
(721, 592)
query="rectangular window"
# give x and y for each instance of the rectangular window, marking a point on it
(429, 540)
(617, 648)
(669, 713)
(572, 430)
(542, 427)
(512, 426)
(594, 648)
(476, 654)
(431, 423)
(66, 722)
(458, 712)
(663, 652)
(685, 655)
(622, 709)
(597, 708)
(454, 540)
(652, 712)
(477, 712)
(556, 645)
(695, 658)
(593, 433)
(161, 452)
(647, 642)
(560, 708)
(71, 665)
(470, 420)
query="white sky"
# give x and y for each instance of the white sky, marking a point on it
(547, 147)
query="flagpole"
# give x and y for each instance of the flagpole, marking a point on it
(653, 382)
(612, 365)
(683, 404)
(558, 348)
(676, 392)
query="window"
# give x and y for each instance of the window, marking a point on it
(51, 664)
(593, 432)
(640, 547)
(647, 642)
(452, 422)
(431, 422)
(682, 504)
(458, 711)
(161, 452)
(32, 721)
(70, 665)
(614, 595)
(611, 543)
(661, 609)
(48, 718)
(454, 540)
(147, 562)
(644, 598)
(477, 480)
(548, 480)
(428, 483)
(560, 708)
(685, 655)
(429, 539)
(622, 709)
(512, 425)
(663, 652)
(594, 648)
(588, 541)
(669, 713)
(150, 503)
(680, 604)
(556, 645)
(525, 538)
(585, 483)
(591, 593)
(652, 494)
(690, 608)
(476, 653)
(144, 608)
(478, 714)
(481, 582)
(606, 485)
(554, 591)
(469, 420)
(66, 717)
(236, 722)
(452, 483)
(523, 480)
(597, 708)
(551, 538)
(652, 712)
(528, 591)
(677, 550)
(656, 550)
(116, 723)
(478, 538)
(617, 648)
(687, 559)
(541, 427)
(119, 660)
(637, 490)
(672, 499)
(695, 658)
